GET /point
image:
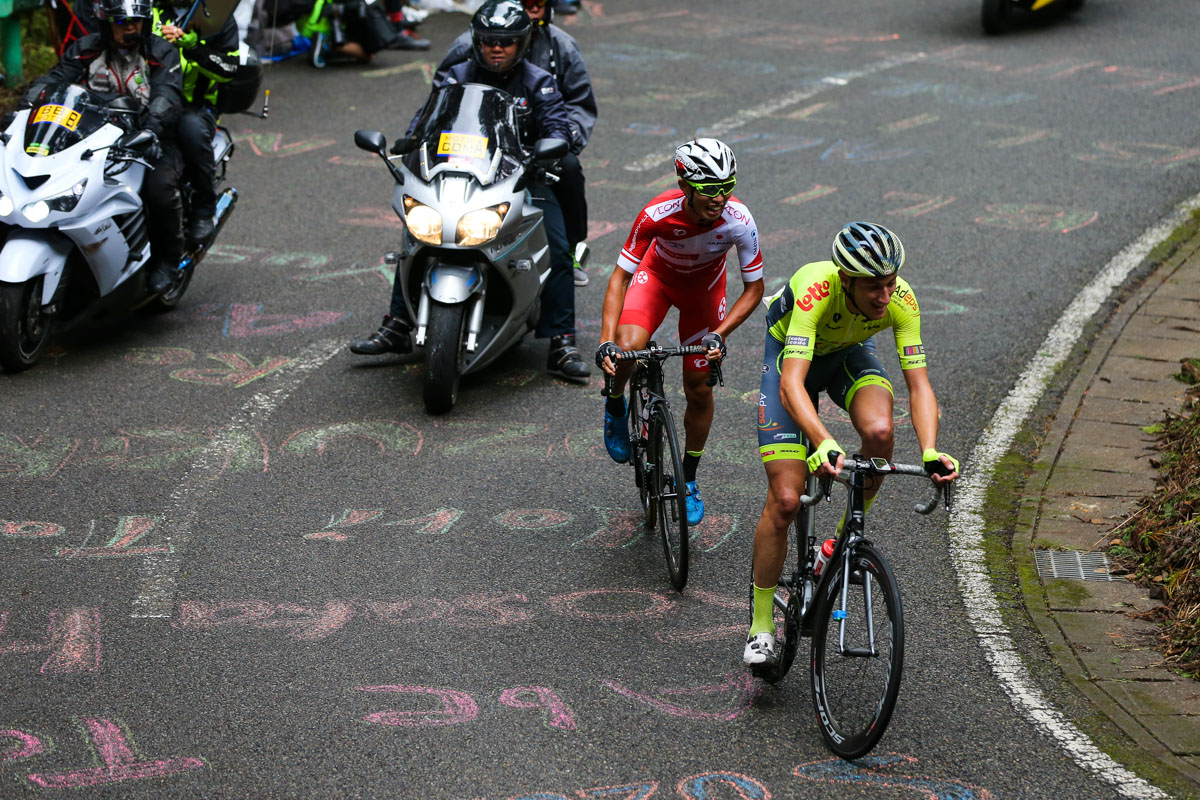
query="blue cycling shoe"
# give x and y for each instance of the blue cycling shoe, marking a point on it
(695, 506)
(616, 436)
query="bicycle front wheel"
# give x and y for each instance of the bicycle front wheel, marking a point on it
(857, 654)
(670, 494)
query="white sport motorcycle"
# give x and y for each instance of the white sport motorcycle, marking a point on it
(73, 231)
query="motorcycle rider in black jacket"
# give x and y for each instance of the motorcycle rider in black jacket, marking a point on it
(500, 32)
(125, 58)
(557, 52)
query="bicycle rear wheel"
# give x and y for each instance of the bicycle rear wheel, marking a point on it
(855, 685)
(637, 450)
(670, 493)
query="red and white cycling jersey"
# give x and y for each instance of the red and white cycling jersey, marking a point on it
(665, 242)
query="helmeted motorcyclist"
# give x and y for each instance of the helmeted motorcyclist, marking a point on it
(207, 63)
(557, 52)
(501, 31)
(125, 58)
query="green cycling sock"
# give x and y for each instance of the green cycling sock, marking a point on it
(764, 611)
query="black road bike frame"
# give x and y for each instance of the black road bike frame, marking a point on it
(811, 606)
(655, 451)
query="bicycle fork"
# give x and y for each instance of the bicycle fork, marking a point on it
(853, 528)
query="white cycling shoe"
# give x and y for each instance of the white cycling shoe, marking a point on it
(760, 650)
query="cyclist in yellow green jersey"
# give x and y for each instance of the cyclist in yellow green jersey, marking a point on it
(820, 338)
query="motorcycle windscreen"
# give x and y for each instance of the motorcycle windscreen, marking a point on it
(467, 128)
(63, 116)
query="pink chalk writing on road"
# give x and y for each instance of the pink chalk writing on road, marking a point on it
(118, 761)
(237, 372)
(455, 707)
(27, 745)
(733, 697)
(246, 319)
(554, 710)
(29, 530)
(72, 641)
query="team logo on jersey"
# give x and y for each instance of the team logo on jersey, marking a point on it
(641, 277)
(818, 291)
(680, 232)
(797, 341)
(916, 350)
(721, 309)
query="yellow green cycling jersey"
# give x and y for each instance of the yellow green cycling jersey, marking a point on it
(810, 317)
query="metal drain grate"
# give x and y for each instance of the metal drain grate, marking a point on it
(1072, 565)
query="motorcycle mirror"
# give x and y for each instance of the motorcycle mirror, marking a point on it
(549, 149)
(371, 141)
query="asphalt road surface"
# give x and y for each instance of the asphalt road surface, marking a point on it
(240, 561)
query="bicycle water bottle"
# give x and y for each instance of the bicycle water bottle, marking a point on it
(823, 554)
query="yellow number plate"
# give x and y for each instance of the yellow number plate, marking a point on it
(462, 144)
(59, 115)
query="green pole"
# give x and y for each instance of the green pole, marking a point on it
(10, 48)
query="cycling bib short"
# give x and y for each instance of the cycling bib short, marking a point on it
(809, 319)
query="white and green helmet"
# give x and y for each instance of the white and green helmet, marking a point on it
(867, 250)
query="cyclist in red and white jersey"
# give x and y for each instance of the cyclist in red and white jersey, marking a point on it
(675, 256)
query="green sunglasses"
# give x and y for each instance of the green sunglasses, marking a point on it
(714, 189)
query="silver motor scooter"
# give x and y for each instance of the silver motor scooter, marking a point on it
(474, 254)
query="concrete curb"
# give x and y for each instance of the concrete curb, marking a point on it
(1102, 652)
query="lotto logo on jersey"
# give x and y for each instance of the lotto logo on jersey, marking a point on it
(641, 277)
(721, 309)
(818, 291)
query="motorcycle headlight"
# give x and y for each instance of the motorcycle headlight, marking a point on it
(36, 211)
(480, 227)
(68, 200)
(423, 222)
(40, 209)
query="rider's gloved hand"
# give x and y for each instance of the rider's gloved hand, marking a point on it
(713, 341)
(821, 456)
(935, 466)
(188, 40)
(153, 151)
(606, 350)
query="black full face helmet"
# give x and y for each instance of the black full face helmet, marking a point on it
(500, 20)
(120, 10)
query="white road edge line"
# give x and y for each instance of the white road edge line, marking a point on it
(159, 577)
(742, 118)
(966, 524)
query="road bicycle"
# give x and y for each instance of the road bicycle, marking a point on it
(655, 453)
(851, 612)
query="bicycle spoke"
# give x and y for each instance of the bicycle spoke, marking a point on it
(672, 511)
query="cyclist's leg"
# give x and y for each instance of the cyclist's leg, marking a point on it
(781, 448)
(701, 310)
(864, 390)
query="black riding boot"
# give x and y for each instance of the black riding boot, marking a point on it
(564, 359)
(392, 337)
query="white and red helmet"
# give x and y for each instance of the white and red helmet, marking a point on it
(705, 161)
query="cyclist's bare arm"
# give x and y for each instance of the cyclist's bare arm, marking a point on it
(614, 300)
(925, 416)
(745, 305)
(799, 407)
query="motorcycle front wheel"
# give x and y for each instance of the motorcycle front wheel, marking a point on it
(443, 356)
(24, 326)
(995, 16)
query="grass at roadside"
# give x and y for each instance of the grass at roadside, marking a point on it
(1160, 543)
